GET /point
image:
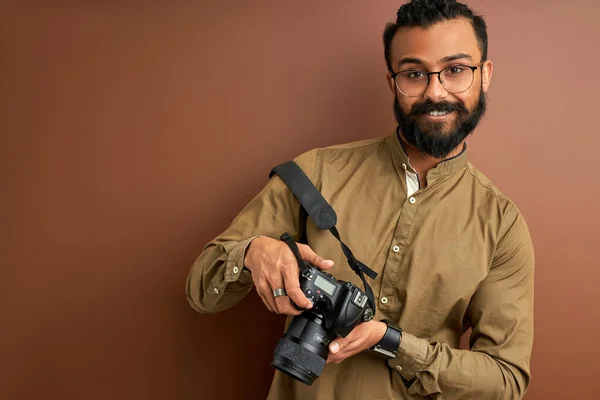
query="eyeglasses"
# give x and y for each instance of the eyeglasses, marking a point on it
(455, 79)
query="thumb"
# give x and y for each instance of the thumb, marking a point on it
(309, 255)
(334, 347)
(338, 344)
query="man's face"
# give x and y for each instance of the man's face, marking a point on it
(437, 121)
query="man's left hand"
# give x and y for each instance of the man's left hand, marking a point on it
(363, 337)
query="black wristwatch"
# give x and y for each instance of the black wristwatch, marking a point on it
(390, 342)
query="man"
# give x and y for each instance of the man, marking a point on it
(450, 250)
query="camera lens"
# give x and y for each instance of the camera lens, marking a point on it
(302, 351)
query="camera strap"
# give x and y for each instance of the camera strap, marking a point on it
(322, 214)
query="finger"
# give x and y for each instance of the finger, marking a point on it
(264, 300)
(285, 306)
(309, 255)
(343, 354)
(340, 349)
(335, 348)
(261, 287)
(341, 343)
(262, 297)
(267, 295)
(330, 358)
(338, 358)
(297, 296)
(276, 282)
(351, 348)
(292, 287)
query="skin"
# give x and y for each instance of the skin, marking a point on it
(274, 266)
(271, 261)
(431, 46)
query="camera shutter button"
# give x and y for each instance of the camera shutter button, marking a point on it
(384, 300)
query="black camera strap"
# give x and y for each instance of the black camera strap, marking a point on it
(289, 240)
(322, 214)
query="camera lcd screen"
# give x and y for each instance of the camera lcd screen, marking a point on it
(325, 285)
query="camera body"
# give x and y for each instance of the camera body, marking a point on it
(341, 304)
(338, 306)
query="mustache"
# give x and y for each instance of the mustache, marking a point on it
(443, 106)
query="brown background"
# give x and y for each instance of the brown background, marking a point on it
(133, 132)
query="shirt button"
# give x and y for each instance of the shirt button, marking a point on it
(398, 367)
(216, 290)
(412, 200)
(384, 300)
(235, 270)
(396, 249)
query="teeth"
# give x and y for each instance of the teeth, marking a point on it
(438, 113)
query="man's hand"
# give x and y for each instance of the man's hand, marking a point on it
(363, 337)
(274, 266)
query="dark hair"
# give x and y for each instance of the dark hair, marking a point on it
(425, 13)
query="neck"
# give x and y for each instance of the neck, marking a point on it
(422, 163)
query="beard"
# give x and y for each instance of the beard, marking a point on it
(438, 139)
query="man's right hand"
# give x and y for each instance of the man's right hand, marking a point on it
(273, 266)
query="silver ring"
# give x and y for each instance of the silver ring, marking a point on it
(279, 292)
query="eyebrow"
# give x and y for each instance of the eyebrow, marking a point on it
(458, 56)
(412, 60)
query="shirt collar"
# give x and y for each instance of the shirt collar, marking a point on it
(444, 168)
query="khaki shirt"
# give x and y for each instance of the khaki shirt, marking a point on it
(452, 256)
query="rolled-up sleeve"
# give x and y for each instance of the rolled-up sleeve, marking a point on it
(217, 280)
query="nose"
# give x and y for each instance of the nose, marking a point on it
(435, 91)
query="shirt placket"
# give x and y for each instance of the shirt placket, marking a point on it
(387, 299)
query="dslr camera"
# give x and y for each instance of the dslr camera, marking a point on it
(338, 306)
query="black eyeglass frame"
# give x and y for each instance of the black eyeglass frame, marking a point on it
(438, 73)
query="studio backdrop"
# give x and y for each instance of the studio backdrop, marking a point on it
(133, 133)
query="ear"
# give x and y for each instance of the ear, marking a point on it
(390, 82)
(486, 74)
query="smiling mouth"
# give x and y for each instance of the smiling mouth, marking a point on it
(437, 114)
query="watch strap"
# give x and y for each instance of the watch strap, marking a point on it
(390, 342)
